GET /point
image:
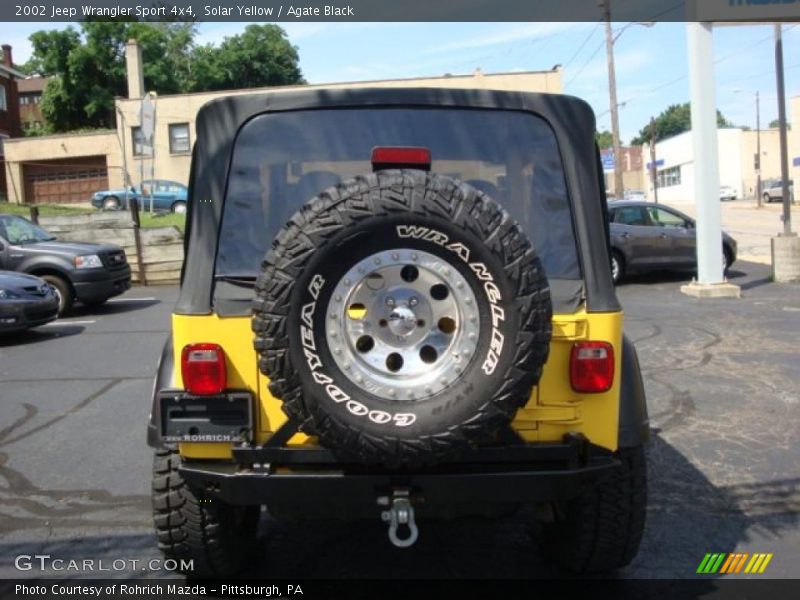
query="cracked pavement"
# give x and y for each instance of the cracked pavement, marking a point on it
(724, 459)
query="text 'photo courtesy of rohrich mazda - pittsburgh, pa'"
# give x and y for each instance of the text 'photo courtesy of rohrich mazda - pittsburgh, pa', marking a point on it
(378, 299)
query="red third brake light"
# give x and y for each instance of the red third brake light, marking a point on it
(591, 367)
(391, 157)
(203, 369)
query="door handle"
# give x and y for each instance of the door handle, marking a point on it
(663, 236)
(625, 234)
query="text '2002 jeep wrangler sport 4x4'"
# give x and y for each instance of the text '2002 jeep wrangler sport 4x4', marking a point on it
(397, 304)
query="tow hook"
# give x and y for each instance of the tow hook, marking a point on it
(400, 513)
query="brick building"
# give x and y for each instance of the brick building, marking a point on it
(30, 92)
(9, 108)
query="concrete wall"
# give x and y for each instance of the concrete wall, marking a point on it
(162, 247)
(42, 149)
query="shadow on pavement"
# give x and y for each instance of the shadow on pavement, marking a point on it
(40, 334)
(119, 306)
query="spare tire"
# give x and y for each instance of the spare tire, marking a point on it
(401, 317)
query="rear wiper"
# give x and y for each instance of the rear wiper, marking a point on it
(248, 281)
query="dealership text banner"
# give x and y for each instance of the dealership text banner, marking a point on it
(407, 10)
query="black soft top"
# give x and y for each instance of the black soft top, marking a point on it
(219, 121)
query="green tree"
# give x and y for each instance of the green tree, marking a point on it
(88, 67)
(676, 119)
(775, 124)
(260, 56)
(604, 139)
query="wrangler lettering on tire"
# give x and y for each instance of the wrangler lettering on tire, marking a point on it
(402, 316)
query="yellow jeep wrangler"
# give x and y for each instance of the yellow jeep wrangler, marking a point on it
(397, 304)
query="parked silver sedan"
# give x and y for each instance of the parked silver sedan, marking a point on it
(651, 237)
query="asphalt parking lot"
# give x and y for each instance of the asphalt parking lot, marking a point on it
(724, 397)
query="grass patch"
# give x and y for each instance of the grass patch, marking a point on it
(162, 220)
(45, 210)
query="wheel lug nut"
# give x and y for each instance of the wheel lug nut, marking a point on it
(338, 298)
(390, 302)
(413, 301)
(395, 256)
(377, 260)
(414, 256)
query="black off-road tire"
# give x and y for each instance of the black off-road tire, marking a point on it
(354, 220)
(601, 530)
(218, 538)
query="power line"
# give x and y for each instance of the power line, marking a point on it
(586, 64)
(578, 51)
(717, 61)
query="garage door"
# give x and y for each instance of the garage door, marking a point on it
(62, 182)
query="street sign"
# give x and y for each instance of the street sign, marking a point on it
(659, 163)
(796, 161)
(608, 161)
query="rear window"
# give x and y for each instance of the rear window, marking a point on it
(281, 160)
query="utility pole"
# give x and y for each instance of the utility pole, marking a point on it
(787, 214)
(786, 245)
(758, 149)
(653, 166)
(612, 90)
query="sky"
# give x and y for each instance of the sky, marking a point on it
(651, 62)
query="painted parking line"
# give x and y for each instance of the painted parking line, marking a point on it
(148, 299)
(68, 322)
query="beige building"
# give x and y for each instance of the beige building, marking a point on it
(67, 168)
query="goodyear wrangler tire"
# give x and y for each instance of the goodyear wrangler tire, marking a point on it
(401, 317)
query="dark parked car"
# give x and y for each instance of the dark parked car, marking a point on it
(86, 272)
(649, 237)
(167, 196)
(25, 301)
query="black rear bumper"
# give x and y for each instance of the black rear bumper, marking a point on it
(517, 474)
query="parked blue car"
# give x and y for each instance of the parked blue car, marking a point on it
(167, 196)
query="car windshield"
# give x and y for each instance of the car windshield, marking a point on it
(21, 231)
(511, 156)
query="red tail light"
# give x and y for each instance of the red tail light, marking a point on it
(591, 367)
(388, 157)
(203, 369)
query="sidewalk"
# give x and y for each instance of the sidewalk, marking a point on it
(750, 226)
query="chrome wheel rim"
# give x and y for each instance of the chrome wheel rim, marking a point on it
(180, 209)
(60, 299)
(110, 204)
(614, 268)
(402, 324)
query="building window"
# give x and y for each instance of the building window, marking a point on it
(138, 141)
(3, 104)
(669, 177)
(3, 138)
(179, 138)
